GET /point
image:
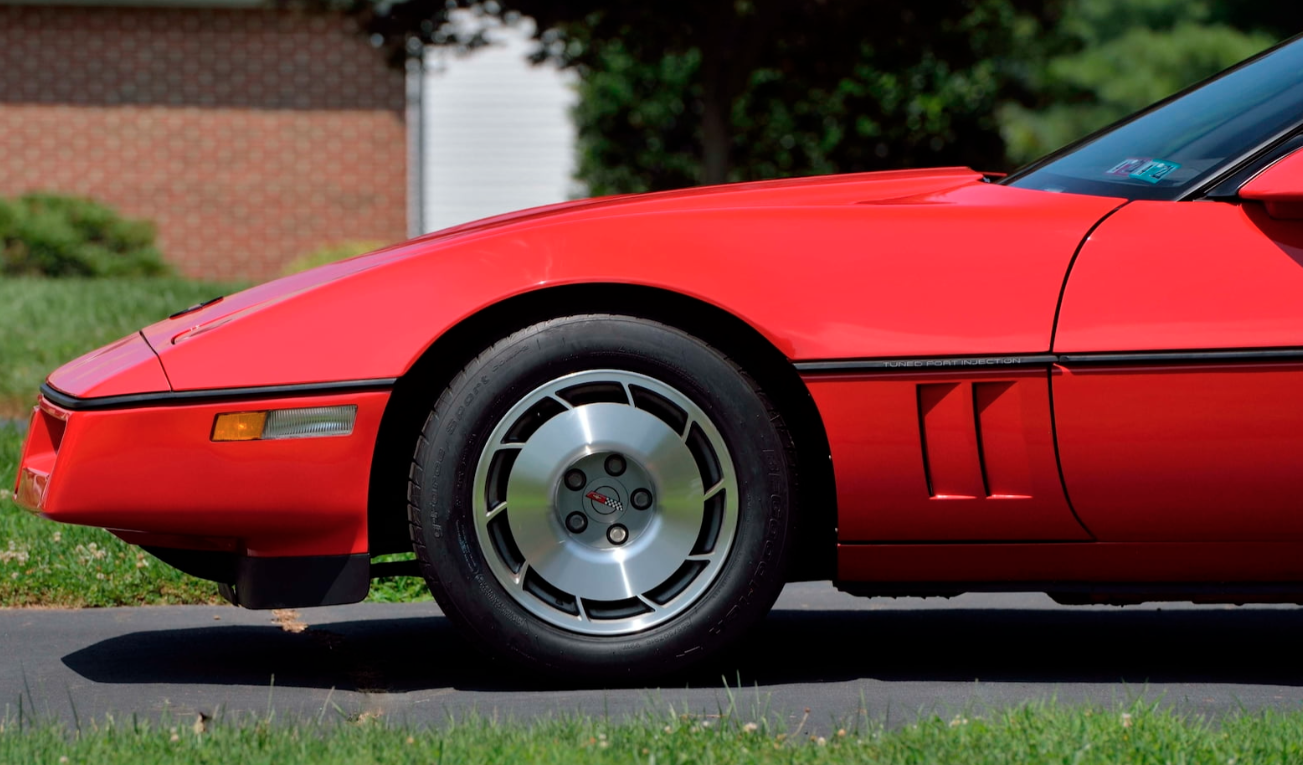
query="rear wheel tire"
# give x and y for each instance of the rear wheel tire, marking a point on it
(603, 498)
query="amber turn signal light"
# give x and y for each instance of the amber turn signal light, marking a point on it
(239, 426)
(278, 424)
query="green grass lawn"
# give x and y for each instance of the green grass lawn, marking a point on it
(44, 323)
(1037, 733)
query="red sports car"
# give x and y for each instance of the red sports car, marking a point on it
(612, 429)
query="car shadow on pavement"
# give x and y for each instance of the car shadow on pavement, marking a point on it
(1245, 646)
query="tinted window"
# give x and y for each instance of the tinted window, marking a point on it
(1179, 143)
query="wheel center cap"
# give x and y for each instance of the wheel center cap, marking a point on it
(604, 500)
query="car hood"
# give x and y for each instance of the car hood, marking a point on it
(896, 264)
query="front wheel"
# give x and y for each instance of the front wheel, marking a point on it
(602, 498)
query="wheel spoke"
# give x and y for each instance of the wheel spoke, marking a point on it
(561, 401)
(649, 603)
(518, 581)
(583, 615)
(496, 511)
(702, 556)
(712, 491)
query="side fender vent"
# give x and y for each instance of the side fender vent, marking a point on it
(973, 440)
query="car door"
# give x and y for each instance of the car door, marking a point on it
(1178, 393)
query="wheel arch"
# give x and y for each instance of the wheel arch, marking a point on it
(415, 392)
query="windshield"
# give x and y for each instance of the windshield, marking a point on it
(1175, 145)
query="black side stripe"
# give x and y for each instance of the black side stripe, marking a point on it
(945, 363)
(917, 364)
(1184, 357)
(184, 397)
(907, 364)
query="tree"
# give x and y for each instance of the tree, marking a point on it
(878, 109)
(677, 92)
(1122, 55)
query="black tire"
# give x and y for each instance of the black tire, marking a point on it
(454, 437)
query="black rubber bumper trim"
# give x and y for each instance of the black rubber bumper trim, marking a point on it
(186, 397)
(300, 582)
(946, 363)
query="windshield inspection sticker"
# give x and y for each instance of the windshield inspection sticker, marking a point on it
(1154, 170)
(1127, 166)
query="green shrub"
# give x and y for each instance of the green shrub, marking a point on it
(329, 254)
(51, 235)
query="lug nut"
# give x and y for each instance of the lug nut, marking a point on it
(576, 522)
(617, 534)
(615, 464)
(575, 480)
(641, 498)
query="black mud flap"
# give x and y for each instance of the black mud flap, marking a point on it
(303, 582)
(299, 582)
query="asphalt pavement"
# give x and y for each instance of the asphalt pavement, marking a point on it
(836, 655)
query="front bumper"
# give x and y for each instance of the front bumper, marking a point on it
(151, 475)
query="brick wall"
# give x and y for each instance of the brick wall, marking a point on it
(248, 136)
